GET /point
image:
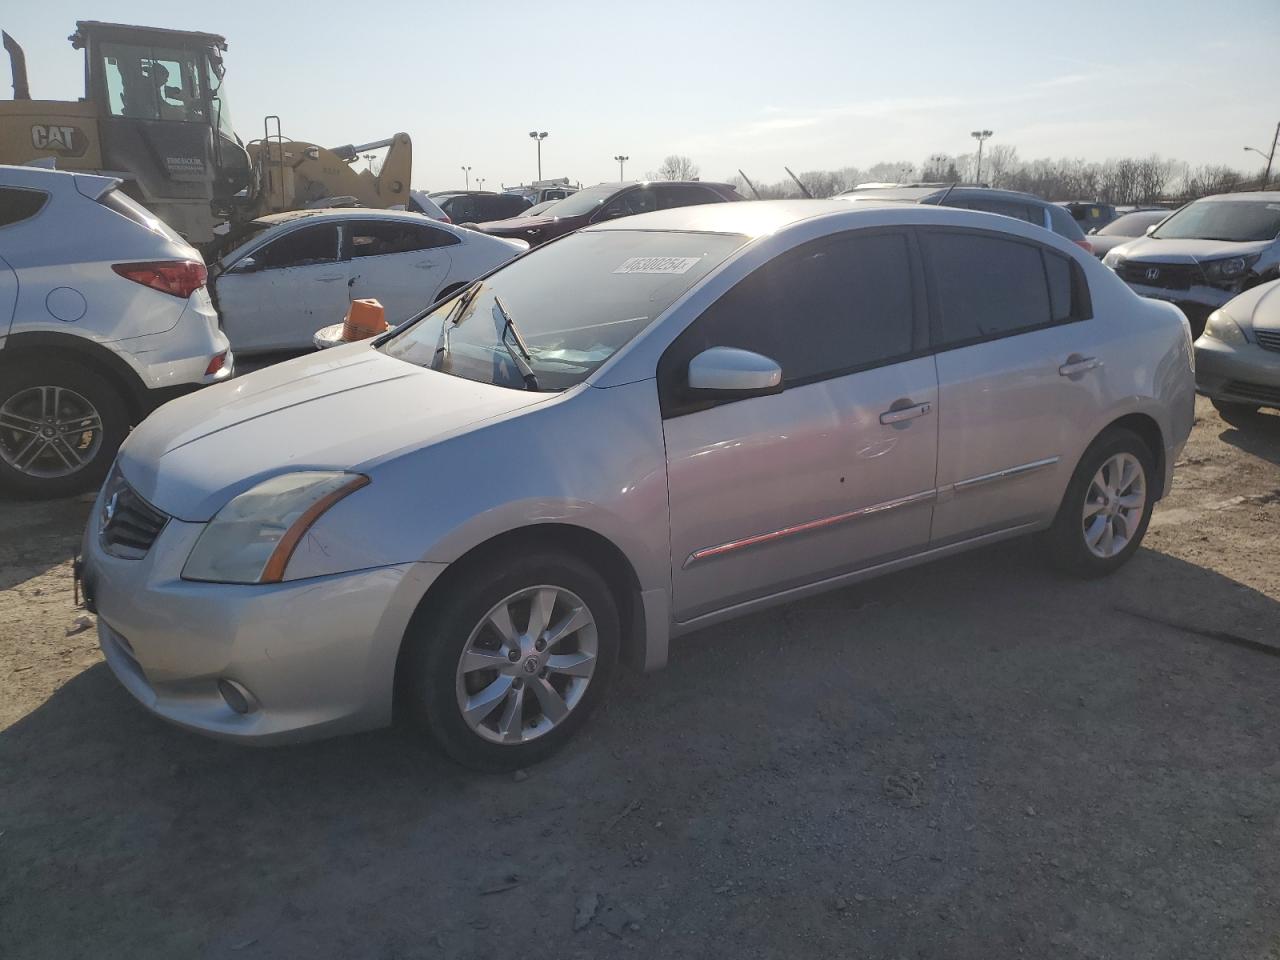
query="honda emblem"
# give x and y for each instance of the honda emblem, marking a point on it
(1153, 273)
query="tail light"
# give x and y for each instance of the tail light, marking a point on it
(1084, 245)
(181, 278)
(445, 218)
(217, 363)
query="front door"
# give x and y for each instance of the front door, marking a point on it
(1018, 373)
(294, 285)
(834, 473)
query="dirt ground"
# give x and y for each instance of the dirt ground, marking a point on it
(971, 759)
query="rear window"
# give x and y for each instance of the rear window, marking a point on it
(18, 204)
(131, 209)
(1064, 225)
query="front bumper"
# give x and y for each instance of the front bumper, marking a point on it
(316, 657)
(1245, 374)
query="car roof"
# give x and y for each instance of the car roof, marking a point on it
(921, 194)
(49, 179)
(756, 218)
(337, 213)
(1257, 196)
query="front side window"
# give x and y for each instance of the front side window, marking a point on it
(154, 83)
(684, 195)
(301, 248)
(987, 287)
(17, 204)
(1237, 221)
(574, 303)
(828, 307)
(375, 238)
(640, 200)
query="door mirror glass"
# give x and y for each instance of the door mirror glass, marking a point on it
(731, 372)
(246, 265)
(1147, 232)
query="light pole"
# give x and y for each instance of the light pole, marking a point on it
(479, 183)
(539, 137)
(467, 172)
(981, 136)
(368, 159)
(621, 160)
(1266, 177)
(937, 171)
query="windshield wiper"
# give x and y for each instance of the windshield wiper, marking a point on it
(452, 320)
(520, 355)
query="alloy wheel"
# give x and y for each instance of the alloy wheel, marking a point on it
(527, 664)
(49, 432)
(1113, 505)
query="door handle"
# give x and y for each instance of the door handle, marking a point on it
(906, 413)
(327, 279)
(1077, 365)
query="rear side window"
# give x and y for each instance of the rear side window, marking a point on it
(1064, 224)
(1006, 208)
(685, 195)
(301, 248)
(378, 238)
(987, 287)
(17, 204)
(827, 308)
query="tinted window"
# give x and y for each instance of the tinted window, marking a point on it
(377, 238)
(986, 286)
(301, 248)
(684, 195)
(1133, 224)
(501, 207)
(830, 306)
(641, 200)
(1063, 225)
(17, 205)
(1057, 271)
(1239, 221)
(1006, 208)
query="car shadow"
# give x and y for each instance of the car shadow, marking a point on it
(38, 535)
(1262, 438)
(928, 741)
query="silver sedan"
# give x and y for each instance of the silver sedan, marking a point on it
(1238, 355)
(633, 432)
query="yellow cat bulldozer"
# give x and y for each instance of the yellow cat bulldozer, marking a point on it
(154, 114)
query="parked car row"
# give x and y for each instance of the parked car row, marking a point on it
(651, 425)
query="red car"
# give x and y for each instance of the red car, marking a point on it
(607, 201)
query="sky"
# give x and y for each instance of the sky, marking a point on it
(750, 85)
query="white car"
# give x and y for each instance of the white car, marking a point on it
(297, 272)
(104, 315)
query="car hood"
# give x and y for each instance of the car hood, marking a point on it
(515, 224)
(348, 408)
(1258, 307)
(1102, 245)
(1152, 250)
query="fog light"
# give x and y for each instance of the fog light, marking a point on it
(236, 696)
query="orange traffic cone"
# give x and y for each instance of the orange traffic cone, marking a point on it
(365, 319)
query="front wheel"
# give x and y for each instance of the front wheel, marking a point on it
(509, 666)
(1105, 511)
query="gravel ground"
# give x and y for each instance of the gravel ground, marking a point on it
(971, 759)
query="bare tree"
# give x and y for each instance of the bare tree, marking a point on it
(1000, 159)
(675, 167)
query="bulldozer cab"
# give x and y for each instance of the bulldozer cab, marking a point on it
(164, 120)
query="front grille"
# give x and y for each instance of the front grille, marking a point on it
(1267, 339)
(1256, 392)
(128, 525)
(1168, 276)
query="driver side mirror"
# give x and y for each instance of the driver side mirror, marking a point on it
(1147, 232)
(246, 265)
(728, 373)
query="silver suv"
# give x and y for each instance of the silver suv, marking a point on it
(1205, 254)
(104, 315)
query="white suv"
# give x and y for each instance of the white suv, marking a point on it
(104, 315)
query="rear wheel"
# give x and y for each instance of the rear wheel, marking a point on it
(1105, 511)
(509, 666)
(1237, 414)
(60, 426)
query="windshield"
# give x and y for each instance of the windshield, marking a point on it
(575, 303)
(1238, 221)
(221, 109)
(1132, 224)
(584, 201)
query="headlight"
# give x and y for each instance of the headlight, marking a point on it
(1113, 260)
(1228, 269)
(1221, 327)
(252, 538)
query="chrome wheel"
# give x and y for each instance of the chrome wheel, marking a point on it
(49, 432)
(1114, 504)
(527, 664)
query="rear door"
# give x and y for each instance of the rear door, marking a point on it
(281, 293)
(403, 265)
(1019, 359)
(834, 473)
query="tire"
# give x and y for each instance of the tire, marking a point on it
(74, 461)
(1069, 539)
(1237, 414)
(460, 624)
